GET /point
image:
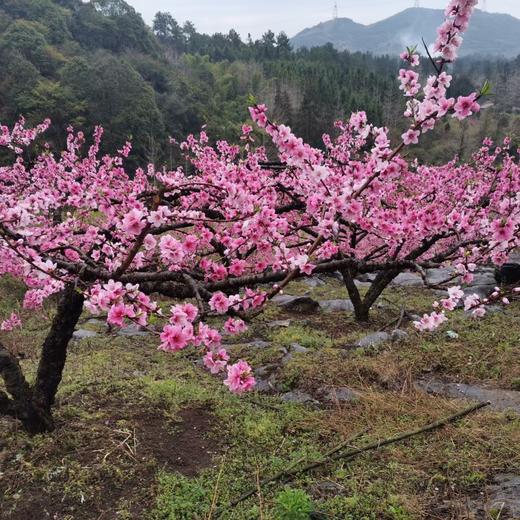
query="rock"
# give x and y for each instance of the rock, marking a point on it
(336, 306)
(263, 386)
(452, 334)
(408, 280)
(508, 274)
(83, 334)
(362, 284)
(264, 370)
(439, 275)
(503, 495)
(299, 349)
(482, 291)
(483, 276)
(257, 343)
(342, 395)
(97, 322)
(279, 323)
(132, 330)
(301, 304)
(286, 359)
(365, 277)
(314, 281)
(373, 339)
(297, 396)
(503, 400)
(399, 335)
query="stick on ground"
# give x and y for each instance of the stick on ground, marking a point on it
(336, 454)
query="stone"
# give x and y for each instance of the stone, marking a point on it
(341, 395)
(365, 277)
(336, 306)
(508, 274)
(408, 280)
(482, 291)
(439, 275)
(483, 276)
(257, 343)
(451, 334)
(374, 339)
(503, 495)
(132, 330)
(262, 386)
(301, 304)
(399, 335)
(97, 322)
(286, 359)
(504, 400)
(314, 281)
(279, 323)
(83, 334)
(299, 397)
(297, 348)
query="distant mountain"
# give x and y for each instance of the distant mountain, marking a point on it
(490, 34)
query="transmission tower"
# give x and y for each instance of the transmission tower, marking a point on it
(484, 5)
(417, 3)
(335, 11)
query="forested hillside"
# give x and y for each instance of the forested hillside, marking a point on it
(98, 63)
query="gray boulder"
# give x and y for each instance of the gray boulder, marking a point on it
(83, 334)
(301, 304)
(372, 340)
(299, 397)
(336, 306)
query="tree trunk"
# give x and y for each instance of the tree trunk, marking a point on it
(32, 405)
(361, 305)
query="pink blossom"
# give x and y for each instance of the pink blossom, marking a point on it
(219, 302)
(216, 361)
(239, 377)
(191, 311)
(411, 136)
(466, 106)
(174, 338)
(133, 222)
(118, 313)
(11, 323)
(503, 229)
(235, 326)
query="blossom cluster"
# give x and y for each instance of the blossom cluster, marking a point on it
(471, 303)
(215, 231)
(449, 34)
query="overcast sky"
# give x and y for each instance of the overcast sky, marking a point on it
(291, 16)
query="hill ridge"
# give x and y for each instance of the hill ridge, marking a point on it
(490, 34)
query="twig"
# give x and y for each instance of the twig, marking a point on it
(195, 288)
(333, 455)
(215, 492)
(287, 472)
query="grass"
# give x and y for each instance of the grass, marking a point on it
(143, 434)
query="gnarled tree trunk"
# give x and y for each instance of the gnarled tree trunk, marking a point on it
(363, 305)
(32, 404)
